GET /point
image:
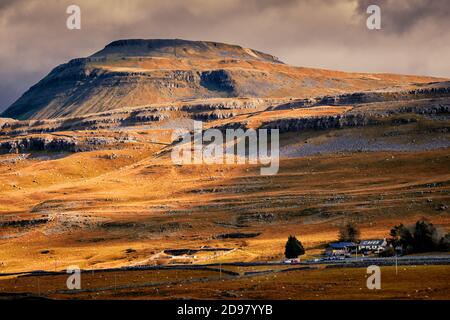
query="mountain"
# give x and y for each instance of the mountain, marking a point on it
(91, 183)
(136, 72)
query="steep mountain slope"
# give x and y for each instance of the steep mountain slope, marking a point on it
(131, 73)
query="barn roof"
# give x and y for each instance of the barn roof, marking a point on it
(341, 245)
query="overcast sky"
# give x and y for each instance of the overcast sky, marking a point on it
(317, 33)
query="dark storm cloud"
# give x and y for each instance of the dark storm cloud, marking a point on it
(6, 3)
(318, 33)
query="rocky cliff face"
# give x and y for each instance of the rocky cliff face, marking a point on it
(365, 97)
(38, 144)
(55, 144)
(433, 102)
(320, 123)
(367, 114)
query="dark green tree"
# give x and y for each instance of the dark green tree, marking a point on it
(294, 248)
(349, 233)
(425, 236)
(388, 252)
(401, 236)
(444, 243)
(421, 237)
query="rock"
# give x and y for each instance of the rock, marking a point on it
(39, 144)
(319, 123)
(237, 235)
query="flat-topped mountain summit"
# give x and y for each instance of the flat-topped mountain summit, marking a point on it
(178, 48)
(132, 73)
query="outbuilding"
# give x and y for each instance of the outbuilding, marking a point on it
(340, 248)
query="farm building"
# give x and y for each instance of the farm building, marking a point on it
(340, 248)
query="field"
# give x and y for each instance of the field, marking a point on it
(94, 211)
(407, 282)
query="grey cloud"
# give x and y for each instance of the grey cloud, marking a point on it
(4, 4)
(319, 33)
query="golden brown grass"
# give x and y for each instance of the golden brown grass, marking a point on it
(157, 205)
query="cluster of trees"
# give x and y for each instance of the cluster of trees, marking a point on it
(421, 237)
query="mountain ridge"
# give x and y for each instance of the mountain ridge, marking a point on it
(136, 72)
(179, 48)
